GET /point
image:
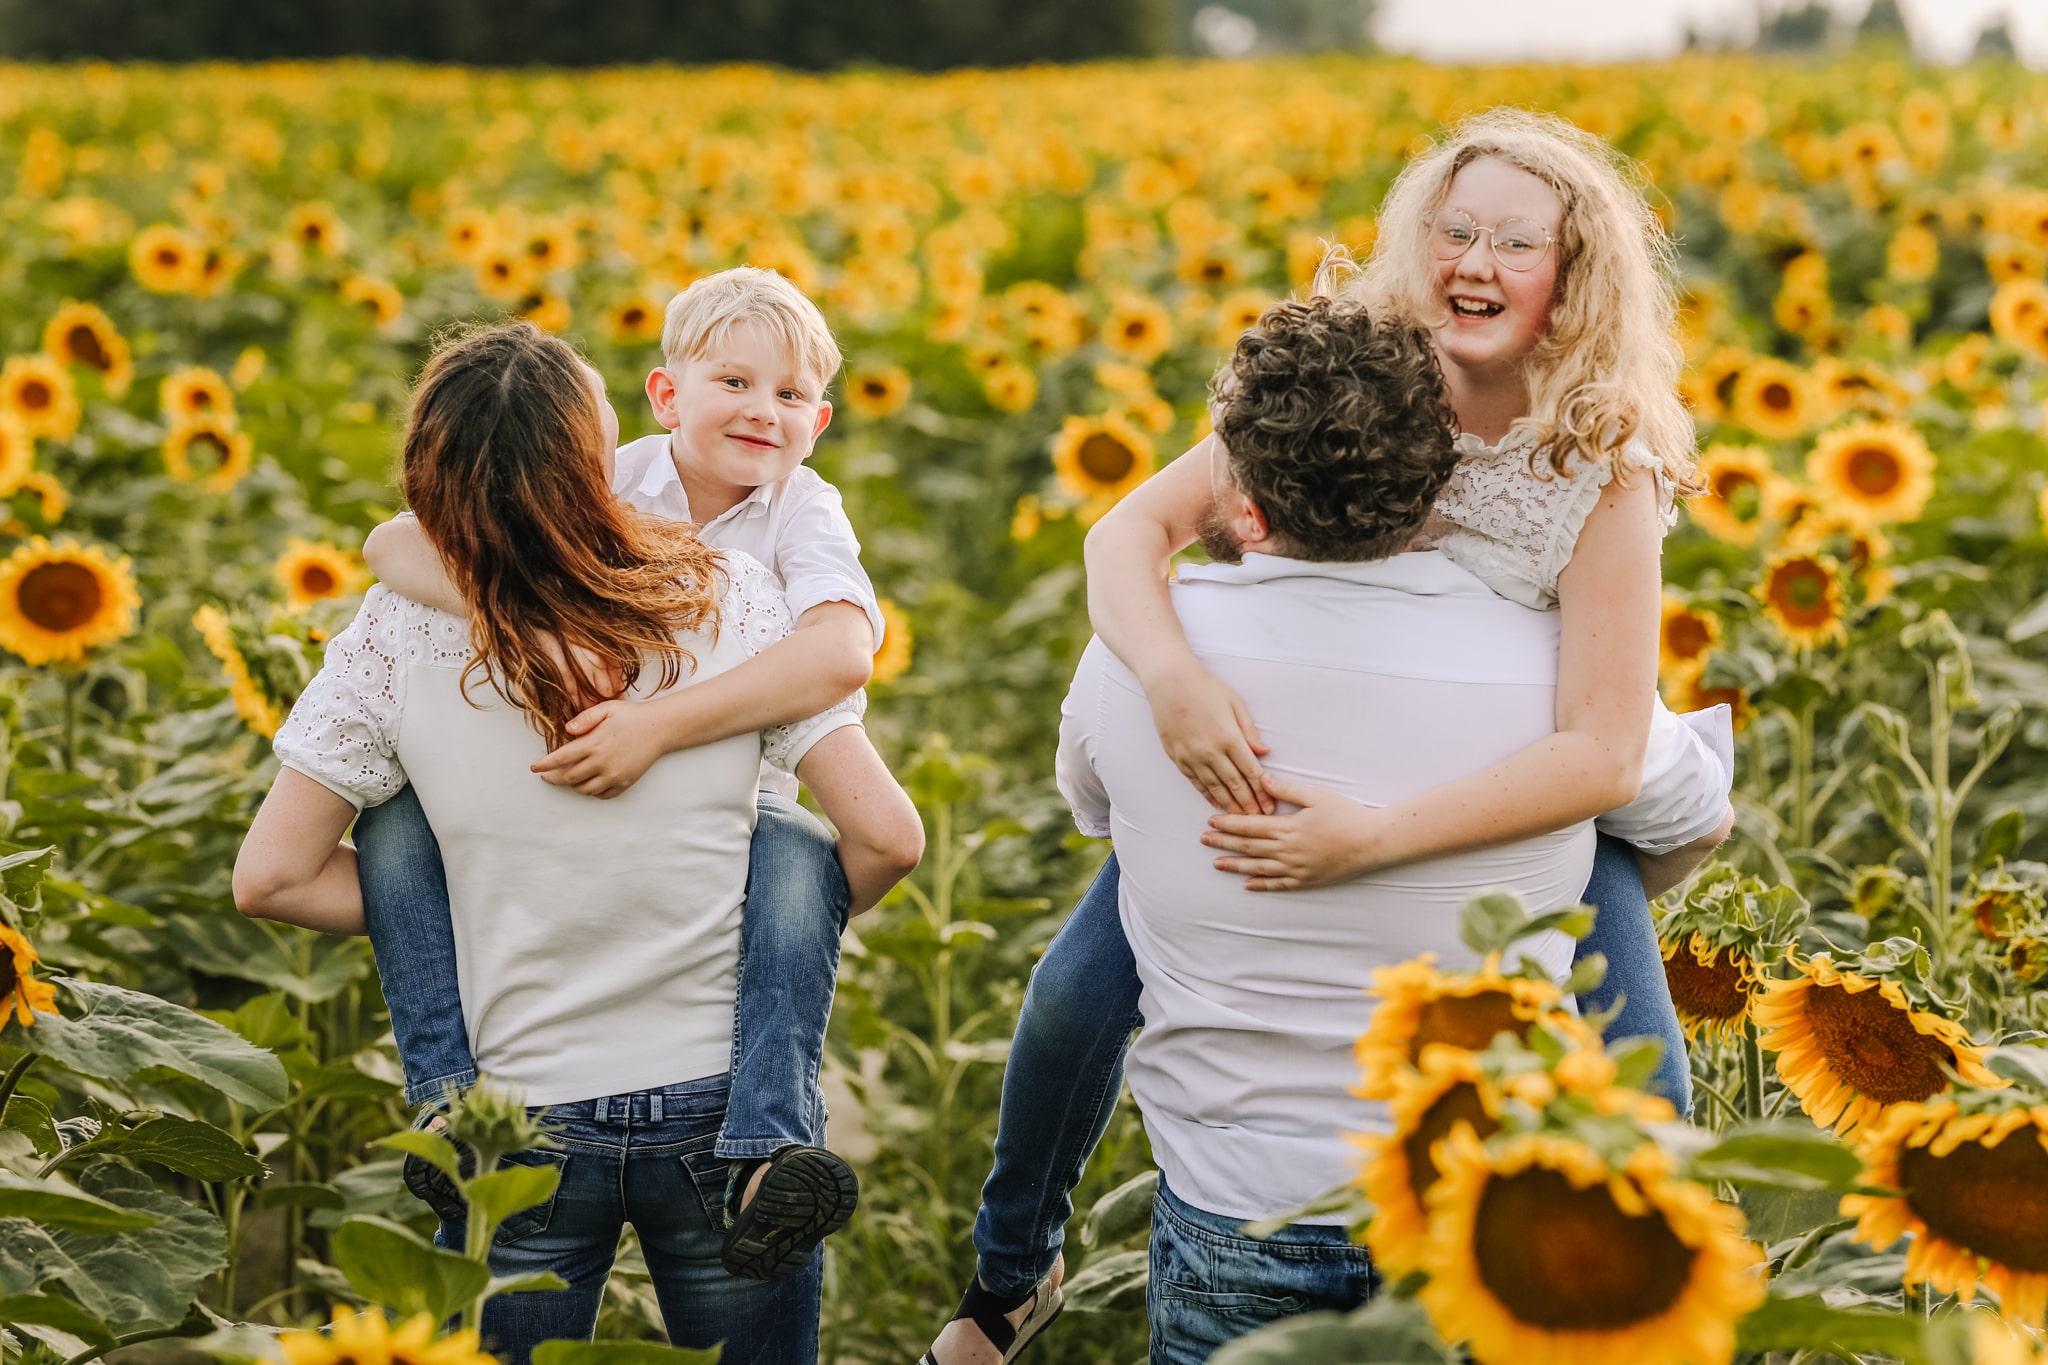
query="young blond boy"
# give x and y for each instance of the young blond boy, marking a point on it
(741, 394)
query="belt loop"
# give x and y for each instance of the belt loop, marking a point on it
(603, 1114)
(654, 1107)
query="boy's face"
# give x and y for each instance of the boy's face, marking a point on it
(745, 413)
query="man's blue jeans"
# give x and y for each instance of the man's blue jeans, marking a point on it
(1066, 1062)
(647, 1159)
(1211, 1284)
(797, 901)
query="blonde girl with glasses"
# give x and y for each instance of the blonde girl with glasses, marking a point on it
(1529, 250)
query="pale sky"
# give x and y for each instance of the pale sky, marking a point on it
(1606, 30)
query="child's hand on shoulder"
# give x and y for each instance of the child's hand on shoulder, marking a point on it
(615, 743)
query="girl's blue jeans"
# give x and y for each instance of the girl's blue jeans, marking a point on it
(797, 901)
(647, 1159)
(1067, 1059)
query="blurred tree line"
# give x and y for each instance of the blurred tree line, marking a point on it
(1806, 25)
(809, 34)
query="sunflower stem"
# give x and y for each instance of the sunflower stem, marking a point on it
(13, 1077)
(1752, 1072)
(1802, 777)
(1941, 799)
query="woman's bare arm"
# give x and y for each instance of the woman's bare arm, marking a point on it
(1606, 681)
(1203, 724)
(881, 837)
(294, 867)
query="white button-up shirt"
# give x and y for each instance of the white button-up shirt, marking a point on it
(1381, 681)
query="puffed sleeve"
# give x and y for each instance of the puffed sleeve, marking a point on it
(343, 730)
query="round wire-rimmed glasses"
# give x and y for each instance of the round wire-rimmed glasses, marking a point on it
(1518, 244)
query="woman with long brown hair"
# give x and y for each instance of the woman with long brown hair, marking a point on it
(596, 942)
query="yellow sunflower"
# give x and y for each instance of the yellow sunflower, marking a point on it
(1774, 399)
(1802, 596)
(38, 391)
(468, 233)
(1858, 386)
(1685, 636)
(22, 994)
(195, 392)
(213, 439)
(80, 334)
(377, 296)
(1398, 1170)
(1010, 387)
(1913, 254)
(166, 260)
(1420, 1006)
(634, 318)
(503, 275)
(2017, 311)
(1101, 456)
(1718, 375)
(1849, 1046)
(1692, 694)
(1873, 472)
(1237, 314)
(546, 310)
(57, 601)
(255, 709)
(877, 391)
(1541, 1253)
(892, 656)
(1712, 987)
(366, 1338)
(17, 453)
(1137, 328)
(1737, 479)
(1799, 514)
(1973, 1195)
(317, 573)
(315, 227)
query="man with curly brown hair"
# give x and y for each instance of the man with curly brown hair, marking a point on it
(1369, 671)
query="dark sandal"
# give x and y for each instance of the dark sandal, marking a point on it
(807, 1195)
(987, 1310)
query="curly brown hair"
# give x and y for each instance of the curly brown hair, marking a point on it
(1337, 426)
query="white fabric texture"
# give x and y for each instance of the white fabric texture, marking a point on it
(1380, 681)
(583, 970)
(1511, 522)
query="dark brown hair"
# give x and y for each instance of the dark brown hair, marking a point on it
(505, 467)
(1337, 427)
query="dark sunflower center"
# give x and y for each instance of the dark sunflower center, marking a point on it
(60, 597)
(1738, 489)
(1466, 1021)
(35, 394)
(10, 979)
(1137, 329)
(211, 447)
(501, 270)
(1712, 991)
(1873, 471)
(633, 317)
(1777, 397)
(1591, 1267)
(317, 580)
(1214, 270)
(1105, 459)
(541, 250)
(1724, 387)
(875, 388)
(1460, 1102)
(1991, 1200)
(1686, 635)
(199, 400)
(169, 257)
(84, 343)
(1873, 1047)
(1800, 593)
(312, 233)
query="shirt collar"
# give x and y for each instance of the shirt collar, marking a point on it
(661, 476)
(1424, 572)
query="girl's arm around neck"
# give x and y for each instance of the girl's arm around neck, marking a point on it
(399, 553)
(1203, 725)
(1606, 680)
(293, 867)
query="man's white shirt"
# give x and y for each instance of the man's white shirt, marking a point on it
(1377, 680)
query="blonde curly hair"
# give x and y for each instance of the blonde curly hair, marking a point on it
(1607, 369)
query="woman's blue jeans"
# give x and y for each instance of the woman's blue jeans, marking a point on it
(647, 1159)
(1066, 1062)
(796, 907)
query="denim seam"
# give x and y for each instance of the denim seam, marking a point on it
(1298, 1251)
(1047, 1229)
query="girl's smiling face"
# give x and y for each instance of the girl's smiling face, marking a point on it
(1497, 315)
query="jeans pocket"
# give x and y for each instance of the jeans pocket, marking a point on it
(528, 1222)
(708, 1173)
(1228, 1306)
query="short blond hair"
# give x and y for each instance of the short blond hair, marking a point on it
(702, 316)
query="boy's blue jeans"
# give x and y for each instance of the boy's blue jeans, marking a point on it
(797, 901)
(647, 1159)
(1211, 1284)
(1066, 1062)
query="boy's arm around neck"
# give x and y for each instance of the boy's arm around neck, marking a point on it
(399, 553)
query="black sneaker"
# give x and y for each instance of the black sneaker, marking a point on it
(807, 1195)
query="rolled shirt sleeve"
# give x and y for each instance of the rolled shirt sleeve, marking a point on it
(762, 617)
(817, 555)
(343, 730)
(1688, 773)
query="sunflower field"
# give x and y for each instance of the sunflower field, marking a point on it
(217, 282)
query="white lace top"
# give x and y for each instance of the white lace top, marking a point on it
(596, 942)
(1514, 526)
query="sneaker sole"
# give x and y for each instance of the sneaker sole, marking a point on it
(807, 1195)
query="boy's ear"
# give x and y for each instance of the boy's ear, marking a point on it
(661, 393)
(824, 420)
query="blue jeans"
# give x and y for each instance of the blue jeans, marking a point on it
(647, 1159)
(1211, 1284)
(1067, 1058)
(797, 901)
